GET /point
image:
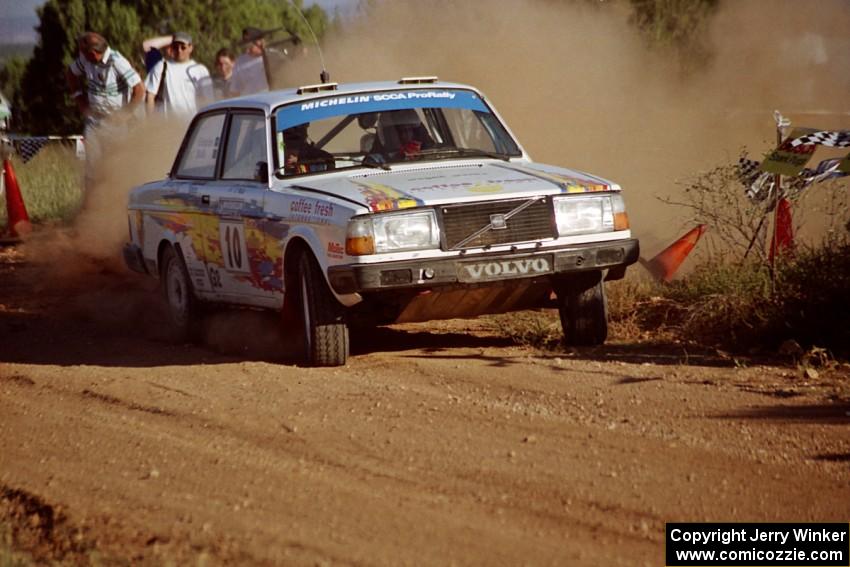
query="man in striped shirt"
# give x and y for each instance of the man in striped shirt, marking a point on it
(102, 80)
(107, 91)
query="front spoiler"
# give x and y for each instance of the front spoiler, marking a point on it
(133, 258)
(485, 268)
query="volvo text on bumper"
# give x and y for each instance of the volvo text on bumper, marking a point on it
(482, 268)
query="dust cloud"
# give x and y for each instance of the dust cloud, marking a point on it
(145, 153)
(580, 88)
(575, 82)
(83, 263)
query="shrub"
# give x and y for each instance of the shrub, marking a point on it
(724, 304)
(813, 290)
(738, 298)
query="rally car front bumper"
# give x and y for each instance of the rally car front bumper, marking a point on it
(612, 256)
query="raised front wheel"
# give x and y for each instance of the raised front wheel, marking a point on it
(583, 309)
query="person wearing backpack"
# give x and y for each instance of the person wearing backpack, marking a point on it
(177, 85)
(107, 91)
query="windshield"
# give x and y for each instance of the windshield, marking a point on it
(380, 129)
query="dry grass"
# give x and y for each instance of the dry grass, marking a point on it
(636, 313)
(51, 185)
(539, 328)
(737, 307)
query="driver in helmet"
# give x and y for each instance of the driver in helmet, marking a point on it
(301, 155)
(401, 134)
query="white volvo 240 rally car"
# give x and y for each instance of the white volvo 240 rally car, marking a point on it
(370, 204)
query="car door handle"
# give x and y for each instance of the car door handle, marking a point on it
(205, 199)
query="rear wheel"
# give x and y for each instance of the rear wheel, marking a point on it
(324, 330)
(183, 308)
(583, 309)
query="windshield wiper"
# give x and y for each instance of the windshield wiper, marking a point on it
(463, 152)
(483, 153)
(369, 161)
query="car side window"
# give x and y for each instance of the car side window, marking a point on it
(246, 146)
(201, 152)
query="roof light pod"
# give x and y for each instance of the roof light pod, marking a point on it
(417, 80)
(317, 88)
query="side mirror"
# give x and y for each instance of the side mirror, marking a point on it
(261, 172)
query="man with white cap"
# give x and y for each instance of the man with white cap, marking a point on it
(176, 86)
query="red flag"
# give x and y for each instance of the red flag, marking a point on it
(783, 231)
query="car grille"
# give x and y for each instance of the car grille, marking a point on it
(462, 221)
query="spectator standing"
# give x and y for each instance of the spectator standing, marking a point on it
(101, 80)
(176, 86)
(249, 71)
(223, 73)
(107, 91)
(156, 49)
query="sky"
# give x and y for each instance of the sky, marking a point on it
(18, 18)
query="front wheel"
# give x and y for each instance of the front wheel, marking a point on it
(324, 329)
(183, 308)
(583, 309)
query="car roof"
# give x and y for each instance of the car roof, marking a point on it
(268, 101)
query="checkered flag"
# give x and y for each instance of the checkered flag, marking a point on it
(833, 139)
(748, 170)
(27, 148)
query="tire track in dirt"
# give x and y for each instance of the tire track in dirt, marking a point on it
(438, 443)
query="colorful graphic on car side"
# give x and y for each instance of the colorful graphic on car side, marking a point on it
(265, 253)
(186, 202)
(381, 197)
(263, 238)
(181, 224)
(565, 182)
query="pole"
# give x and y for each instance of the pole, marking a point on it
(753, 239)
(267, 68)
(776, 197)
(4, 153)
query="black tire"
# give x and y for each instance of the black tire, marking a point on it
(184, 310)
(322, 317)
(583, 308)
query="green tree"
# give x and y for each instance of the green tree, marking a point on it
(677, 25)
(11, 76)
(42, 101)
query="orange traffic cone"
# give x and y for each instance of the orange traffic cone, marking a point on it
(19, 221)
(665, 264)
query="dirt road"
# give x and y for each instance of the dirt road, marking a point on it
(436, 445)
